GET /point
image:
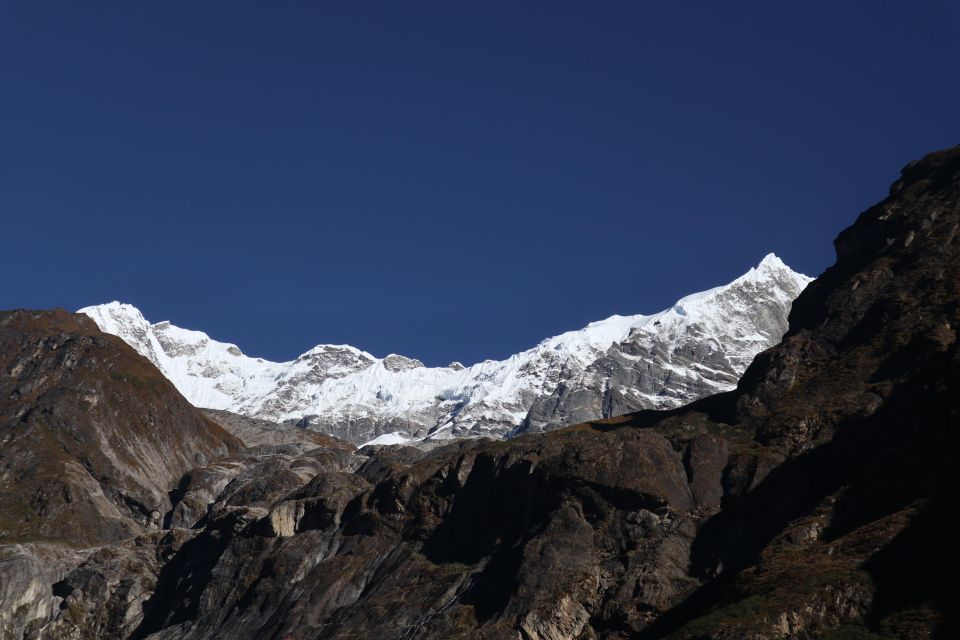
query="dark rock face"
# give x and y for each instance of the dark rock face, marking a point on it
(810, 502)
(436, 544)
(859, 402)
(255, 432)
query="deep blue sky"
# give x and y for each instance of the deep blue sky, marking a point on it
(445, 180)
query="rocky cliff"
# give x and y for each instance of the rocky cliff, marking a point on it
(811, 502)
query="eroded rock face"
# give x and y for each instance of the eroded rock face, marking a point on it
(26, 600)
(810, 502)
(436, 542)
(258, 477)
(104, 596)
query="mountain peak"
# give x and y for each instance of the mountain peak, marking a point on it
(772, 265)
(772, 261)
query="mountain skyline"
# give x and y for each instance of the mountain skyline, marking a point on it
(450, 182)
(699, 345)
(770, 257)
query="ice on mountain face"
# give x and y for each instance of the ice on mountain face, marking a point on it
(388, 439)
(699, 346)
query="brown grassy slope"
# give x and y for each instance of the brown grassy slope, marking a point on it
(92, 436)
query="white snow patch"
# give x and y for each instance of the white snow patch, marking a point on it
(395, 437)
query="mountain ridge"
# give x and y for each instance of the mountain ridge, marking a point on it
(349, 393)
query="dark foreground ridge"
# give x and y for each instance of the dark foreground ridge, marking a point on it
(813, 501)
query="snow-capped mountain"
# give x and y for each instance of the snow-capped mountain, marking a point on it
(699, 346)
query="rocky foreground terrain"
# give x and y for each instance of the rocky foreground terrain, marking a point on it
(813, 501)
